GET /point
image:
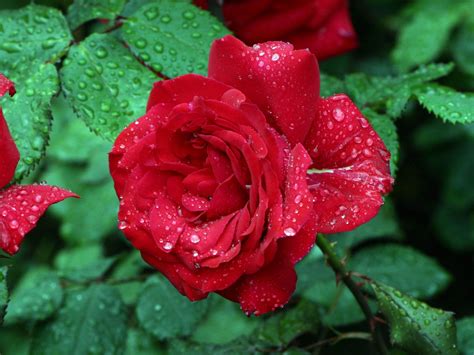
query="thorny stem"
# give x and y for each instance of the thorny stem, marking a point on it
(341, 272)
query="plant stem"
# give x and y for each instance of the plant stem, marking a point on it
(340, 269)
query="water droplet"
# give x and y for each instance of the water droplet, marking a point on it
(289, 232)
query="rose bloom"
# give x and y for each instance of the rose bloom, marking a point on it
(21, 206)
(225, 181)
(323, 26)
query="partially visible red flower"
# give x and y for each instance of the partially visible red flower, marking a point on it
(323, 26)
(21, 206)
(226, 179)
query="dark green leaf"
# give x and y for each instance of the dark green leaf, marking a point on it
(446, 103)
(224, 324)
(414, 326)
(424, 36)
(34, 32)
(82, 263)
(282, 328)
(3, 292)
(463, 48)
(387, 130)
(403, 267)
(15, 341)
(179, 347)
(82, 11)
(166, 314)
(28, 113)
(36, 297)
(92, 321)
(105, 85)
(172, 37)
(465, 328)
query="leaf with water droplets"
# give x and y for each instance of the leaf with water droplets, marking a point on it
(424, 36)
(403, 267)
(82, 264)
(92, 321)
(37, 296)
(141, 343)
(166, 314)
(172, 37)
(3, 292)
(465, 328)
(446, 103)
(387, 130)
(105, 85)
(82, 11)
(33, 32)
(28, 113)
(414, 326)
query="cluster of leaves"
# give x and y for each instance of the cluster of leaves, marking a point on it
(87, 292)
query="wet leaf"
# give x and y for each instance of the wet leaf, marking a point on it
(33, 32)
(92, 321)
(105, 85)
(402, 267)
(82, 11)
(465, 328)
(166, 314)
(36, 297)
(172, 37)
(28, 113)
(446, 103)
(414, 326)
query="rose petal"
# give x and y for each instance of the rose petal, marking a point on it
(351, 166)
(9, 153)
(21, 206)
(334, 37)
(284, 83)
(6, 86)
(184, 88)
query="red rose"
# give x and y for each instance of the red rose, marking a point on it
(213, 181)
(323, 26)
(21, 206)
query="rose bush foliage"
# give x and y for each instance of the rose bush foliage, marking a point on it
(323, 26)
(21, 206)
(226, 180)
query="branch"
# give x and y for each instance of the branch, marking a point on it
(341, 272)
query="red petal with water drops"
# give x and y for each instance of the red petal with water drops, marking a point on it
(350, 170)
(283, 82)
(8, 150)
(334, 37)
(20, 209)
(6, 86)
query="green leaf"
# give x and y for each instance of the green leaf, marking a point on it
(385, 224)
(463, 48)
(105, 85)
(330, 85)
(240, 347)
(34, 32)
(82, 11)
(28, 113)
(224, 324)
(15, 341)
(282, 328)
(387, 130)
(403, 267)
(166, 314)
(414, 326)
(3, 292)
(92, 321)
(37, 296)
(172, 36)
(446, 103)
(82, 263)
(422, 39)
(465, 328)
(140, 343)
